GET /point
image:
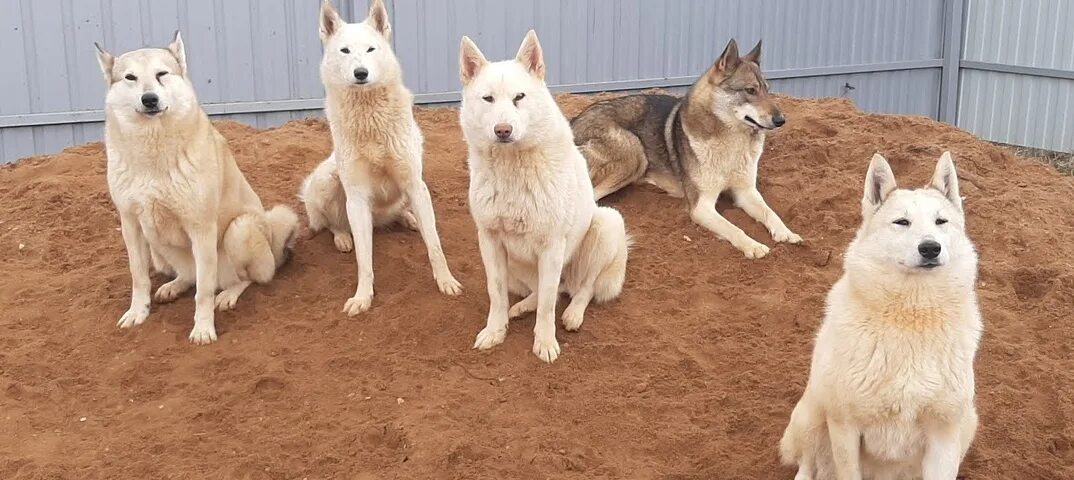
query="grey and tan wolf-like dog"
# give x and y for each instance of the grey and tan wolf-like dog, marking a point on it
(374, 175)
(184, 206)
(698, 147)
(539, 228)
(891, 391)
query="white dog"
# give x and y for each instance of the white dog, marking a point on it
(891, 392)
(532, 200)
(374, 174)
(184, 206)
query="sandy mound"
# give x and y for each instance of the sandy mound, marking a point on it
(691, 374)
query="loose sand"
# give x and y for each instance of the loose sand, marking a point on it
(691, 374)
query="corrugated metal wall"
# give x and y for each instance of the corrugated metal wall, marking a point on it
(256, 60)
(1019, 108)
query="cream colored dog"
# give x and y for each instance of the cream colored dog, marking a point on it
(374, 175)
(184, 206)
(530, 195)
(891, 391)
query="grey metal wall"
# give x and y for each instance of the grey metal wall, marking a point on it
(256, 60)
(1017, 81)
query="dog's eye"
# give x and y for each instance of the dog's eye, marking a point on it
(941, 221)
(161, 74)
(519, 97)
(131, 77)
(488, 98)
(902, 221)
(751, 91)
(370, 49)
(345, 50)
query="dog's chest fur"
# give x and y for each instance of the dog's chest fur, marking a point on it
(154, 178)
(899, 363)
(520, 193)
(376, 140)
(722, 160)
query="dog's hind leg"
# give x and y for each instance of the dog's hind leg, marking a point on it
(326, 204)
(615, 159)
(249, 258)
(598, 268)
(522, 281)
(182, 262)
(160, 265)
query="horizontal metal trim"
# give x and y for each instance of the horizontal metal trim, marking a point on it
(1018, 69)
(273, 106)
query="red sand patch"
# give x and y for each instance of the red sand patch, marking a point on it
(692, 373)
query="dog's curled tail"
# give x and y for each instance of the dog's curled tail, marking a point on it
(283, 225)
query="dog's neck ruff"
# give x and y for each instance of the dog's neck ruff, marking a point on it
(914, 301)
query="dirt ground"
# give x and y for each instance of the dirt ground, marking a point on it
(691, 374)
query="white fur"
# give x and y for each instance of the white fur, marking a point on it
(184, 206)
(891, 389)
(374, 175)
(539, 229)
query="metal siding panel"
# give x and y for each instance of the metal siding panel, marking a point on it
(407, 41)
(203, 38)
(85, 28)
(1033, 33)
(49, 87)
(1040, 116)
(18, 143)
(272, 53)
(14, 76)
(238, 81)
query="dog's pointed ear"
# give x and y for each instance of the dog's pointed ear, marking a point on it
(754, 55)
(378, 18)
(471, 60)
(330, 21)
(178, 50)
(107, 62)
(729, 59)
(945, 179)
(879, 183)
(531, 56)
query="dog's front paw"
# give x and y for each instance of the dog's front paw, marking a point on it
(171, 291)
(448, 285)
(226, 300)
(343, 241)
(546, 348)
(490, 337)
(203, 334)
(572, 318)
(786, 236)
(753, 250)
(357, 304)
(134, 316)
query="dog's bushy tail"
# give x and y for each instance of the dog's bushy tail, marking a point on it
(609, 231)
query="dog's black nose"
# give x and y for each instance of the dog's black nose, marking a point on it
(778, 120)
(361, 74)
(150, 100)
(929, 249)
(503, 131)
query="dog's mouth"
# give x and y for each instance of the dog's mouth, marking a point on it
(929, 264)
(154, 112)
(757, 124)
(505, 140)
